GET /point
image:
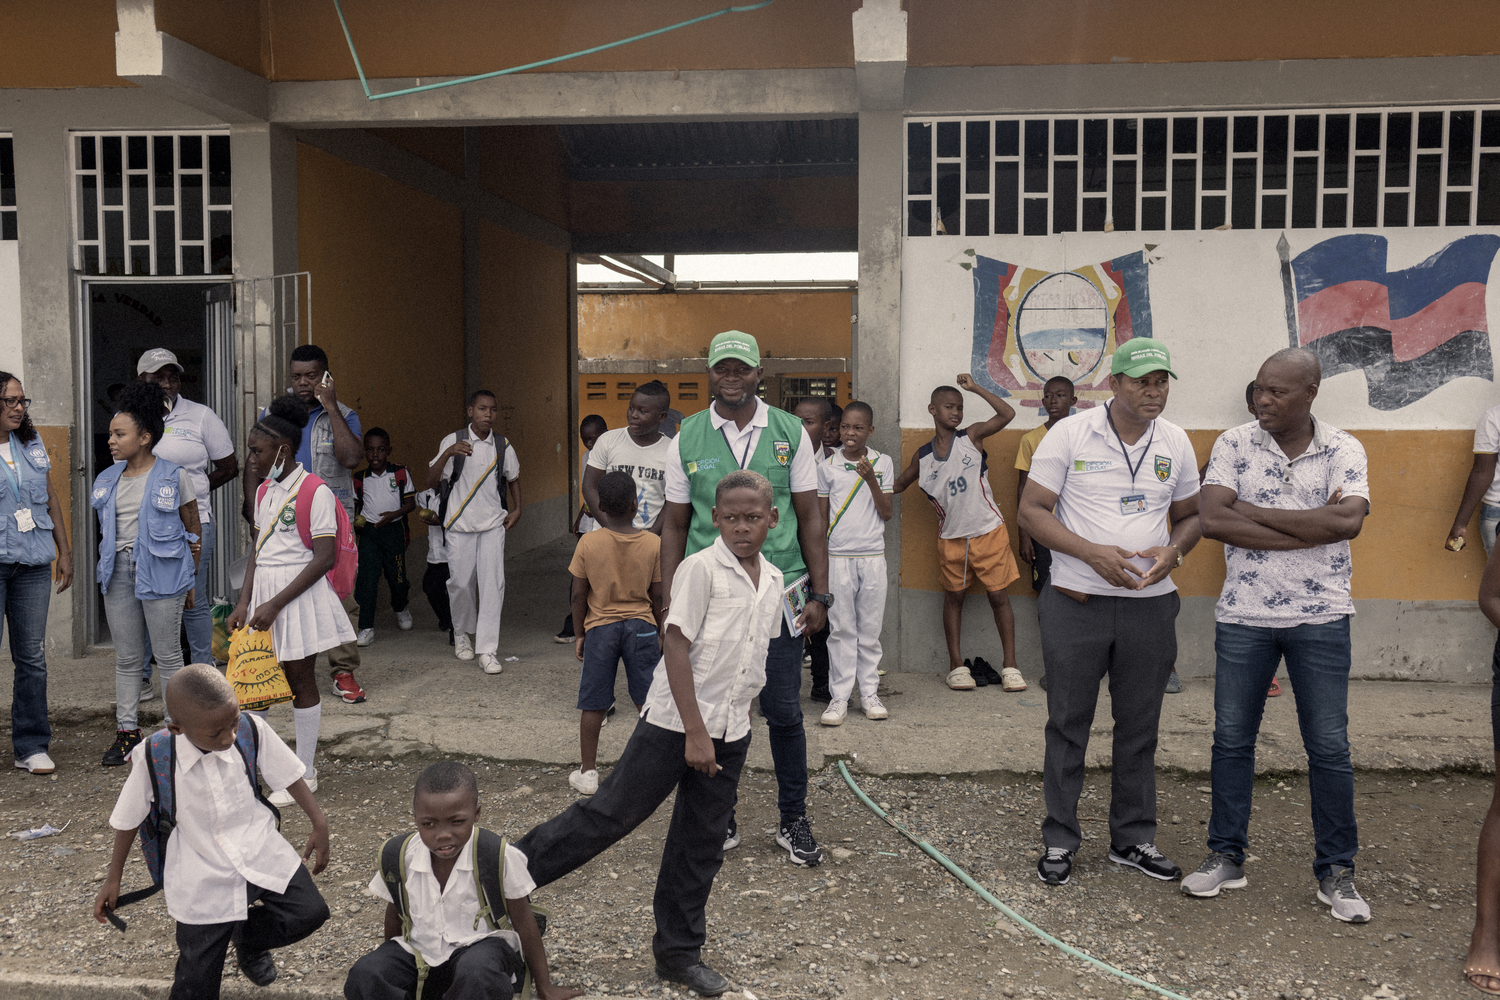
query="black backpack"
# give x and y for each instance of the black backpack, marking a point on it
(446, 486)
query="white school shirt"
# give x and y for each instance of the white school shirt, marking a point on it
(586, 521)
(1487, 442)
(471, 509)
(959, 487)
(859, 531)
(437, 549)
(383, 493)
(616, 451)
(225, 837)
(195, 438)
(278, 509)
(442, 918)
(1080, 460)
(742, 442)
(729, 623)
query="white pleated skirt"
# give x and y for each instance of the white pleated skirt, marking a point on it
(315, 621)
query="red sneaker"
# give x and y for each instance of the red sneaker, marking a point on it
(1275, 691)
(348, 688)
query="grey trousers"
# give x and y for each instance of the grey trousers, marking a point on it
(1132, 640)
(131, 620)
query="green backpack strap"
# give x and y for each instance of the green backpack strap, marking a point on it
(489, 886)
(393, 874)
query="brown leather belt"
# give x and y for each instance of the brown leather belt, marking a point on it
(1075, 595)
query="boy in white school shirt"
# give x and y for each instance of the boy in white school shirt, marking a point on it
(225, 851)
(854, 492)
(475, 521)
(466, 959)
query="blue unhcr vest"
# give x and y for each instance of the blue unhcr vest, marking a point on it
(163, 562)
(26, 489)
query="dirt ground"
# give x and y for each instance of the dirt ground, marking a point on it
(882, 921)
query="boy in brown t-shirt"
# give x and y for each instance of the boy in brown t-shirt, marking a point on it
(617, 596)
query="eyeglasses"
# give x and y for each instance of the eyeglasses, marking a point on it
(7, 402)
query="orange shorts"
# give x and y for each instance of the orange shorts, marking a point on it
(985, 557)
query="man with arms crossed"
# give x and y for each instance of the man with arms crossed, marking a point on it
(739, 431)
(1284, 494)
(1113, 492)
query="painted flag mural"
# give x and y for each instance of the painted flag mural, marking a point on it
(1410, 331)
(1032, 325)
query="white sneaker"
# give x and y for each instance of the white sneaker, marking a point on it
(834, 714)
(146, 693)
(366, 636)
(37, 763)
(490, 663)
(462, 647)
(403, 620)
(584, 782)
(874, 709)
(284, 797)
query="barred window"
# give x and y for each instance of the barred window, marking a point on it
(7, 188)
(152, 203)
(1302, 170)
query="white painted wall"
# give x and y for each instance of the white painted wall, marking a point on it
(10, 308)
(1217, 301)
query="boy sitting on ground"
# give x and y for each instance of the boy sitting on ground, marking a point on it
(693, 734)
(440, 943)
(225, 851)
(617, 595)
(953, 470)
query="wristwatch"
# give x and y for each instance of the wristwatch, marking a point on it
(824, 599)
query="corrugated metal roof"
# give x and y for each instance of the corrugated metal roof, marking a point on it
(694, 150)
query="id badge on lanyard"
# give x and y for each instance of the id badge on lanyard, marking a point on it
(24, 520)
(1135, 503)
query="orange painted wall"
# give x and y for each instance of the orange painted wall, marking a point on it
(1017, 33)
(527, 165)
(809, 324)
(58, 442)
(1416, 478)
(523, 318)
(387, 279)
(441, 147)
(58, 43)
(232, 31)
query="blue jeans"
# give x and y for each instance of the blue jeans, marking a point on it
(198, 620)
(24, 593)
(1489, 518)
(131, 622)
(1317, 662)
(781, 704)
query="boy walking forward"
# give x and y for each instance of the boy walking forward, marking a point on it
(953, 471)
(383, 496)
(442, 942)
(693, 734)
(854, 492)
(616, 574)
(225, 852)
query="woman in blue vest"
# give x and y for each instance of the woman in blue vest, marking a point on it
(148, 555)
(32, 535)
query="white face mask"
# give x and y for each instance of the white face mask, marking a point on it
(278, 468)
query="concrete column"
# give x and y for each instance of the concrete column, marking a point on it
(880, 70)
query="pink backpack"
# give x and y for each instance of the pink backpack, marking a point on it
(346, 551)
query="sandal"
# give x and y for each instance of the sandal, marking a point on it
(1471, 971)
(1275, 691)
(1011, 679)
(959, 679)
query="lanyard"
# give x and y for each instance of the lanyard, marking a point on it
(16, 476)
(741, 459)
(1109, 415)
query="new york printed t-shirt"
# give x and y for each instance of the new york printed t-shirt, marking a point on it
(616, 451)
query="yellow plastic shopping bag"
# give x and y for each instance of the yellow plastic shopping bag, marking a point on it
(220, 613)
(258, 679)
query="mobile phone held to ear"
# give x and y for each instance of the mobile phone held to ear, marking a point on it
(327, 378)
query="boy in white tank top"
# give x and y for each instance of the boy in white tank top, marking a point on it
(972, 541)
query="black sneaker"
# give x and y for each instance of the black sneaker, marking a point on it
(821, 694)
(699, 978)
(259, 968)
(563, 636)
(732, 835)
(450, 635)
(1146, 858)
(1055, 866)
(990, 674)
(1042, 682)
(977, 672)
(796, 837)
(125, 741)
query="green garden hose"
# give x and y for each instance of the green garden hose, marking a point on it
(985, 894)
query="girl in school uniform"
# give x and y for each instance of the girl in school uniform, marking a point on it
(148, 552)
(286, 588)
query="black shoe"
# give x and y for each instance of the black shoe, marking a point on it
(1174, 684)
(259, 968)
(450, 635)
(1055, 866)
(125, 741)
(977, 672)
(1042, 682)
(821, 694)
(563, 636)
(1146, 858)
(699, 978)
(982, 666)
(796, 837)
(732, 835)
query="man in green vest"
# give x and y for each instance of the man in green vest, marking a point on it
(739, 431)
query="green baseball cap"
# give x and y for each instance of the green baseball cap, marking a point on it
(734, 344)
(1142, 356)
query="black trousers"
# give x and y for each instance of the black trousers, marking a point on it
(649, 770)
(480, 971)
(817, 648)
(435, 586)
(282, 918)
(382, 551)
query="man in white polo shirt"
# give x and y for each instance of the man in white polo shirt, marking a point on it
(1113, 492)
